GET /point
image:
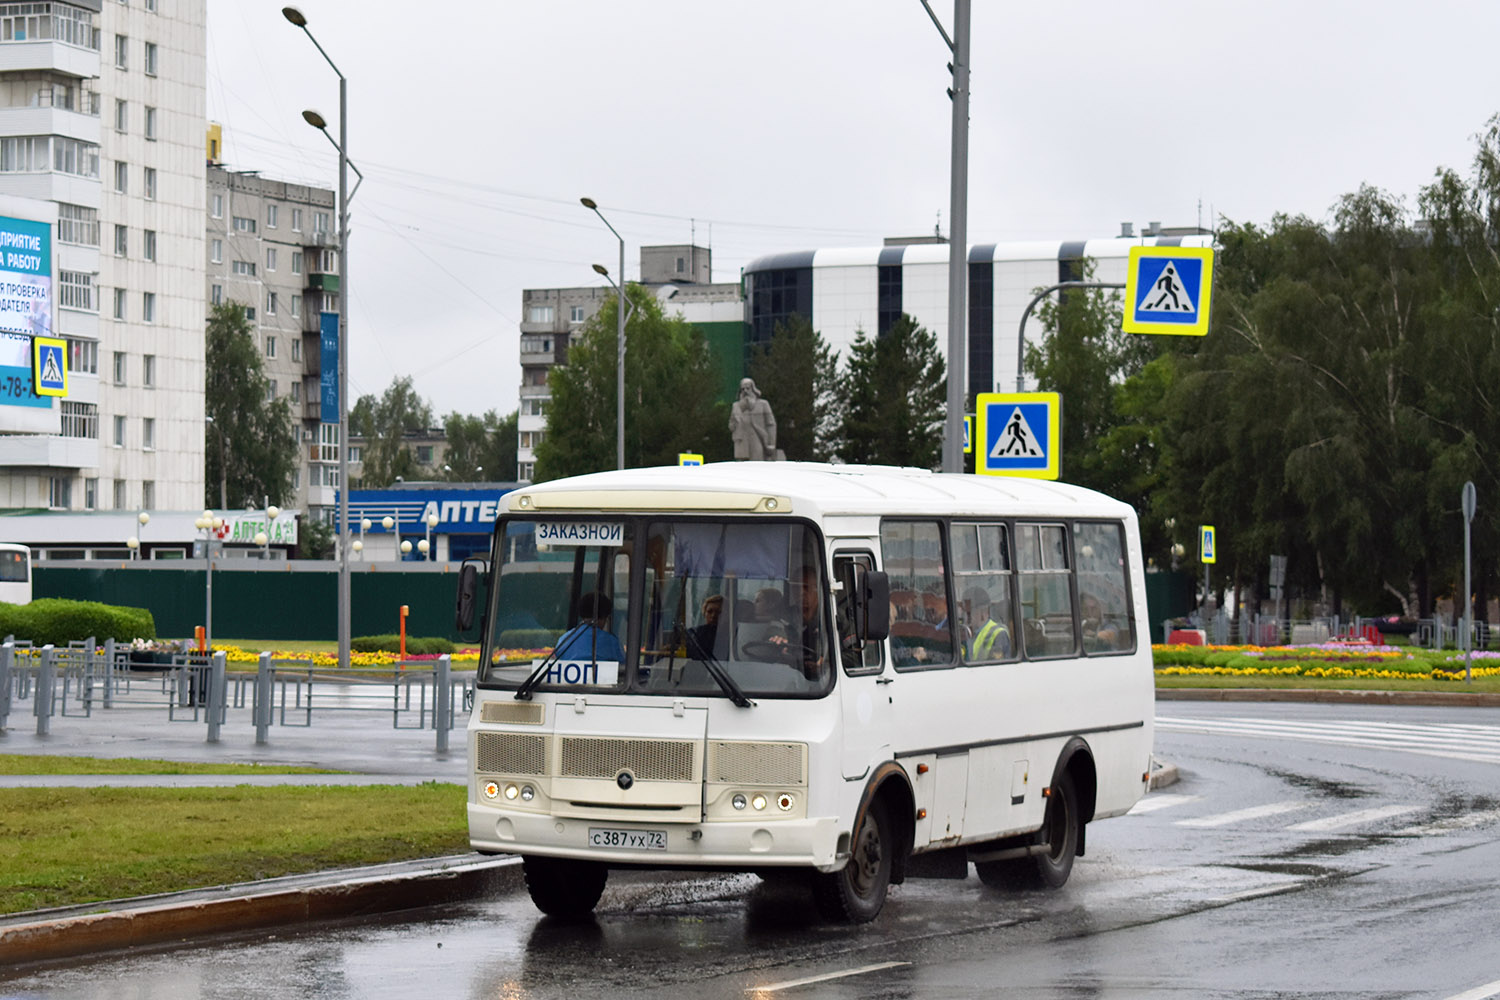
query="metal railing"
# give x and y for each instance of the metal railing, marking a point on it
(75, 680)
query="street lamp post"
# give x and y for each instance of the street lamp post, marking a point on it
(432, 522)
(208, 523)
(593, 206)
(144, 519)
(317, 121)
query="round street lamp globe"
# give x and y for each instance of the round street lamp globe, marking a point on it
(143, 517)
(132, 542)
(432, 520)
(358, 546)
(364, 524)
(387, 522)
(422, 546)
(260, 538)
(406, 548)
(273, 512)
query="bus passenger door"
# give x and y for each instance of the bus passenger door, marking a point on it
(866, 684)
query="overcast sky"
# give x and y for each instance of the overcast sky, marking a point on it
(766, 125)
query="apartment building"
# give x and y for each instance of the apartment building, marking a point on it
(102, 108)
(681, 277)
(272, 248)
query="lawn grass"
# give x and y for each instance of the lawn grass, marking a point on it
(26, 763)
(67, 846)
(1483, 685)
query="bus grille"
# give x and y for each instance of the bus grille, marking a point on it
(527, 713)
(648, 760)
(757, 763)
(510, 753)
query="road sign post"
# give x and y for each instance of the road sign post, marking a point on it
(1470, 503)
(1208, 554)
(1019, 434)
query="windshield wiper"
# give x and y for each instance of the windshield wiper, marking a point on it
(718, 673)
(523, 693)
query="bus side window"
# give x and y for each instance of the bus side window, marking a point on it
(868, 659)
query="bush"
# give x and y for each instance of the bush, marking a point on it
(416, 645)
(59, 622)
(527, 638)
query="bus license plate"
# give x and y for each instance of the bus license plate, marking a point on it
(630, 840)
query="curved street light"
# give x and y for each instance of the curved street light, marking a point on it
(593, 206)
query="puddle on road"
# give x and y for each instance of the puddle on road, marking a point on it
(1322, 786)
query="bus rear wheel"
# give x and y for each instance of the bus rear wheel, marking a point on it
(562, 887)
(1059, 832)
(855, 893)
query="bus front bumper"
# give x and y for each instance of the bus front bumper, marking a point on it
(749, 845)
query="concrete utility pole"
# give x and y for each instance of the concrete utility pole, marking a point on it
(958, 263)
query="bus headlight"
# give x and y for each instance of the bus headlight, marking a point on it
(527, 793)
(759, 802)
(511, 791)
(739, 800)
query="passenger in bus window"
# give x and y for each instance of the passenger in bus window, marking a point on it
(591, 639)
(701, 638)
(986, 638)
(1098, 635)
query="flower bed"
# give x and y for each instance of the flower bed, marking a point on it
(1336, 661)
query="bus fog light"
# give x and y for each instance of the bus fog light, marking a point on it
(491, 790)
(738, 801)
(511, 791)
(759, 802)
(784, 802)
(527, 793)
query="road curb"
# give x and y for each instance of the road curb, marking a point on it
(184, 917)
(1463, 699)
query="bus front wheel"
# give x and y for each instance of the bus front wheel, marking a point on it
(562, 887)
(855, 893)
(1059, 832)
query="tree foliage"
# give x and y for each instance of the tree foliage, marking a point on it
(480, 449)
(895, 398)
(669, 394)
(251, 450)
(383, 423)
(797, 374)
(1343, 396)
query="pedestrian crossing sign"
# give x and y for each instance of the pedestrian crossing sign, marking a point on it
(49, 366)
(1020, 434)
(1168, 290)
(689, 458)
(968, 433)
(1207, 544)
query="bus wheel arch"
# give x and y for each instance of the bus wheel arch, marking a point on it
(1077, 761)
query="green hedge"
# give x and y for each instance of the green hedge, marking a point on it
(416, 645)
(59, 622)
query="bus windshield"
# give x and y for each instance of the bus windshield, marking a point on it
(726, 608)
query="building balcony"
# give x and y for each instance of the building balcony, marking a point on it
(48, 451)
(320, 240)
(323, 283)
(46, 54)
(49, 121)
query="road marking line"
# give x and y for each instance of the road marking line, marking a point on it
(1254, 812)
(776, 987)
(1478, 992)
(1161, 800)
(1355, 818)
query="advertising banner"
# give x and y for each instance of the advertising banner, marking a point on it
(328, 366)
(25, 308)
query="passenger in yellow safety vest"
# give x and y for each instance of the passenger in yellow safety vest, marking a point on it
(988, 639)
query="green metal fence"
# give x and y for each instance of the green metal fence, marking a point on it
(278, 600)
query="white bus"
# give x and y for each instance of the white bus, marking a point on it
(15, 573)
(844, 674)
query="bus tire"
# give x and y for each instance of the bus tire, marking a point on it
(1059, 831)
(855, 893)
(563, 887)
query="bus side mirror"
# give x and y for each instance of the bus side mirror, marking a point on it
(875, 595)
(468, 590)
(869, 597)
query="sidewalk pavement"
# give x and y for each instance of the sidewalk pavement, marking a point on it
(365, 745)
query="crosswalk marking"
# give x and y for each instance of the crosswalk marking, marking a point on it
(1469, 742)
(1161, 800)
(1464, 822)
(1240, 815)
(1358, 817)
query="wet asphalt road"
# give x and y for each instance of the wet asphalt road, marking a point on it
(1307, 851)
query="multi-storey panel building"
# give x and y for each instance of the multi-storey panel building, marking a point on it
(271, 248)
(102, 108)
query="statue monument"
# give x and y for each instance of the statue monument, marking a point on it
(753, 426)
